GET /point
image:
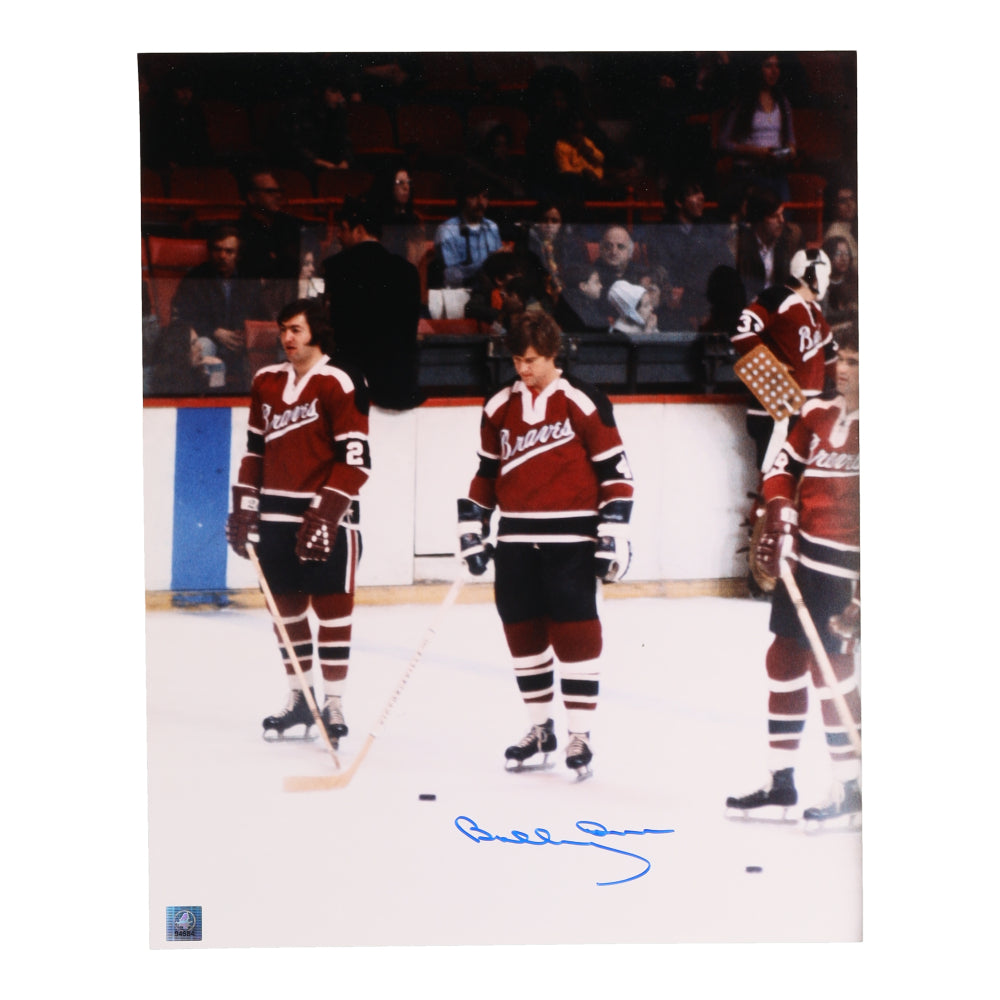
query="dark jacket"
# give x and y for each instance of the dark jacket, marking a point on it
(374, 302)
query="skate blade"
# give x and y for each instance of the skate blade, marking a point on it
(273, 736)
(773, 815)
(582, 773)
(847, 823)
(514, 766)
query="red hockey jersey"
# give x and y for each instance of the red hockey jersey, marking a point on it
(821, 457)
(304, 435)
(794, 330)
(550, 462)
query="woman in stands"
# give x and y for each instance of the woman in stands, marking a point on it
(403, 230)
(759, 131)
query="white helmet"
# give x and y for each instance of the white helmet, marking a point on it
(812, 267)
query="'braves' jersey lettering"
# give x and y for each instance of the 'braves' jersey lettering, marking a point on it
(550, 462)
(296, 416)
(555, 432)
(795, 332)
(303, 435)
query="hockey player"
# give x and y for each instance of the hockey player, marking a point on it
(787, 319)
(552, 461)
(295, 499)
(820, 465)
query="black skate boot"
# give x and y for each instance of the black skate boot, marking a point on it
(766, 802)
(296, 713)
(844, 807)
(579, 755)
(333, 719)
(540, 739)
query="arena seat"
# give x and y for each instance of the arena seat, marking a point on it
(343, 183)
(210, 184)
(430, 131)
(370, 130)
(168, 254)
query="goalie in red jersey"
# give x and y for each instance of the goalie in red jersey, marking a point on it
(552, 462)
(812, 519)
(295, 500)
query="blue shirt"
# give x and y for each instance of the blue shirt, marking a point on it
(464, 248)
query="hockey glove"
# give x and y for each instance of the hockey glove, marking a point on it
(778, 538)
(315, 538)
(243, 525)
(847, 625)
(614, 550)
(473, 525)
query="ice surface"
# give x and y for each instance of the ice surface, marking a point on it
(680, 726)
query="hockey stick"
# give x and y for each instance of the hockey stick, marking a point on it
(311, 783)
(287, 642)
(825, 667)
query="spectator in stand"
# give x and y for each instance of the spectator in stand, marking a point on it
(403, 230)
(845, 217)
(759, 131)
(270, 239)
(727, 298)
(581, 308)
(554, 244)
(179, 132)
(310, 286)
(494, 162)
(579, 162)
(216, 299)
(465, 240)
(374, 301)
(840, 304)
(319, 130)
(633, 307)
(765, 243)
(486, 299)
(681, 90)
(615, 259)
(176, 364)
(689, 247)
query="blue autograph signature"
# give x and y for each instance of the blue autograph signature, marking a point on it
(474, 832)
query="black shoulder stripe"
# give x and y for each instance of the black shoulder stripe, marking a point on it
(597, 397)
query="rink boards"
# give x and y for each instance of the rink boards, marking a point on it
(690, 456)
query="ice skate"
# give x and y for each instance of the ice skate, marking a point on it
(539, 739)
(296, 713)
(841, 812)
(770, 803)
(579, 755)
(333, 719)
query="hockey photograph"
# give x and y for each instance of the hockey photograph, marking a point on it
(501, 475)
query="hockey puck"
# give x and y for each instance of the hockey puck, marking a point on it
(428, 797)
(754, 868)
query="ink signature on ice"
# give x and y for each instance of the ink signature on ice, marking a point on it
(597, 831)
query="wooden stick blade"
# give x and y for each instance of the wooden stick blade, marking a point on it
(326, 782)
(314, 783)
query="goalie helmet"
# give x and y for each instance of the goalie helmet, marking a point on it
(812, 268)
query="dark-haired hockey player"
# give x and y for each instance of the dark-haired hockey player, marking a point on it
(812, 518)
(787, 319)
(552, 461)
(295, 499)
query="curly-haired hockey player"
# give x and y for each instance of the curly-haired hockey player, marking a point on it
(812, 518)
(295, 499)
(552, 461)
